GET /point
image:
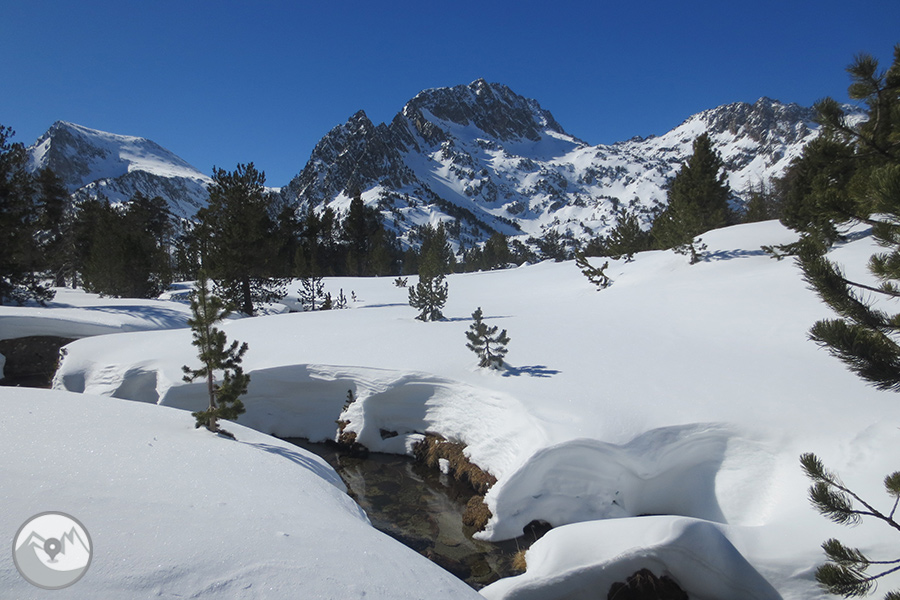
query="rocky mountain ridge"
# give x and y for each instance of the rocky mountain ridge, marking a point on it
(484, 159)
(478, 157)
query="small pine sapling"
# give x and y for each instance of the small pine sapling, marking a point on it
(341, 301)
(595, 275)
(845, 572)
(429, 296)
(486, 342)
(215, 356)
(401, 282)
(313, 289)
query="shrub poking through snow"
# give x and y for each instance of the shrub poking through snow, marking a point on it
(486, 342)
(595, 275)
(845, 572)
(346, 438)
(225, 395)
(434, 447)
(644, 585)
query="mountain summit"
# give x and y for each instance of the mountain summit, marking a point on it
(488, 160)
(92, 162)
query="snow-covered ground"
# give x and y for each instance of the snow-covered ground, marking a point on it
(76, 314)
(177, 512)
(685, 392)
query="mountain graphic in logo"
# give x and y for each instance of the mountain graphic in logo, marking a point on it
(52, 550)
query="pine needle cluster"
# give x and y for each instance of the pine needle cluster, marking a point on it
(847, 571)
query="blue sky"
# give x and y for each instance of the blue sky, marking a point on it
(225, 82)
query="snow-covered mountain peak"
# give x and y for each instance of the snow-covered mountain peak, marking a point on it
(492, 108)
(92, 162)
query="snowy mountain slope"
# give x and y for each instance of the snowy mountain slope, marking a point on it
(175, 512)
(91, 162)
(686, 391)
(497, 161)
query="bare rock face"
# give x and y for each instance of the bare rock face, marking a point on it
(644, 585)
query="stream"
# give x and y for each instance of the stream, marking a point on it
(422, 508)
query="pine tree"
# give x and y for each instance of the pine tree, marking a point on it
(19, 251)
(429, 295)
(697, 202)
(128, 253)
(313, 290)
(596, 275)
(484, 341)
(216, 357)
(240, 239)
(54, 226)
(627, 238)
(863, 336)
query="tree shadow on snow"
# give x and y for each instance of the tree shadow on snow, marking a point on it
(531, 371)
(732, 254)
(298, 458)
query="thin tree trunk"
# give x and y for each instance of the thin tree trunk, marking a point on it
(247, 309)
(211, 424)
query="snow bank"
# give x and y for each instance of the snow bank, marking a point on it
(582, 562)
(77, 314)
(177, 512)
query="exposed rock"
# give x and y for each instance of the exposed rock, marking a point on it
(644, 585)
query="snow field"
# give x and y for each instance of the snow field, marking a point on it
(682, 391)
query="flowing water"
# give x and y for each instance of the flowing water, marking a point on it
(422, 508)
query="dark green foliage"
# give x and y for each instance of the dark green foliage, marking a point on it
(216, 356)
(595, 275)
(627, 238)
(127, 247)
(763, 205)
(312, 292)
(239, 239)
(815, 190)
(860, 182)
(19, 220)
(435, 254)
(429, 296)
(494, 254)
(863, 336)
(54, 227)
(697, 202)
(435, 259)
(484, 341)
(846, 572)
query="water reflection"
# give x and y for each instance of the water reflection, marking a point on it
(421, 508)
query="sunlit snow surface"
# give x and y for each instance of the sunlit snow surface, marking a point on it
(177, 512)
(685, 392)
